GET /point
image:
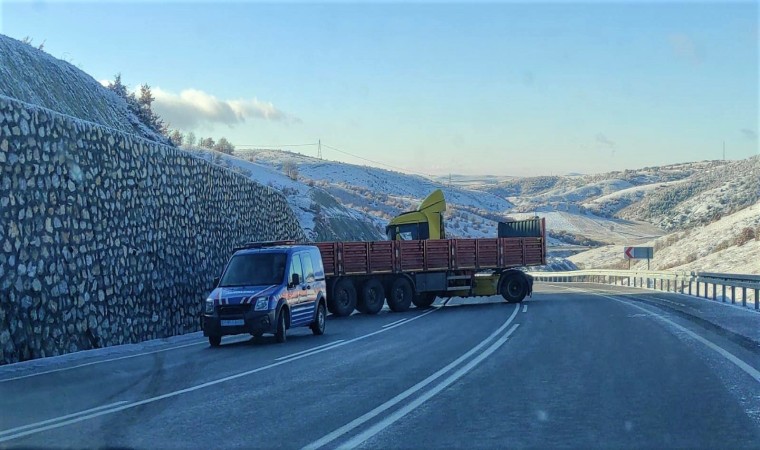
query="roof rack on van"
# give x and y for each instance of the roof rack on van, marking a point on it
(249, 245)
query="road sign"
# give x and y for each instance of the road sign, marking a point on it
(638, 252)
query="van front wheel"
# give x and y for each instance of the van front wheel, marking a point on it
(318, 327)
(279, 335)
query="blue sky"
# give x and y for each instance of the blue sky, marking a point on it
(486, 88)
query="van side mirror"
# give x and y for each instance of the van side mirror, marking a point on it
(216, 281)
(296, 280)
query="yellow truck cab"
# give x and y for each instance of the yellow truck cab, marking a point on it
(424, 223)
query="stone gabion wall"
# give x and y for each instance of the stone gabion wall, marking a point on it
(106, 238)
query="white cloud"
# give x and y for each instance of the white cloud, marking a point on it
(192, 108)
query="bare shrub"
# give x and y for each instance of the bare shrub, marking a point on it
(746, 235)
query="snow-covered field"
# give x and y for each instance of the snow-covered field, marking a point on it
(610, 204)
(395, 184)
(595, 227)
(709, 248)
(303, 199)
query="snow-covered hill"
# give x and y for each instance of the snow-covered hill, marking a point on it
(704, 197)
(383, 194)
(709, 248)
(322, 217)
(33, 76)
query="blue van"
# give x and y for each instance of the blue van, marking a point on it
(267, 288)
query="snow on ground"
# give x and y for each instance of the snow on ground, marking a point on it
(375, 180)
(605, 257)
(300, 196)
(578, 194)
(611, 203)
(711, 248)
(598, 228)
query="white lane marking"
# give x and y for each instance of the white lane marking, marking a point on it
(525, 308)
(199, 386)
(63, 369)
(749, 370)
(406, 409)
(400, 397)
(45, 422)
(309, 350)
(393, 323)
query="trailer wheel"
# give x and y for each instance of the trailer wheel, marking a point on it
(513, 287)
(372, 297)
(400, 295)
(342, 302)
(423, 300)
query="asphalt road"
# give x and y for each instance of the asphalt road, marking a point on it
(578, 366)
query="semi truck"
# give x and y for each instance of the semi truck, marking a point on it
(418, 263)
(269, 287)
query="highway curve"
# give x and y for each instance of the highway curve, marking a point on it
(577, 366)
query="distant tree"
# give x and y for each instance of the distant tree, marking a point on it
(140, 106)
(224, 146)
(190, 140)
(291, 170)
(176, 138)
(146, 99)
(146, 114)
(118, 87)
(207, 143)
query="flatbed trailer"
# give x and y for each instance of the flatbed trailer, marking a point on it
(362, 275)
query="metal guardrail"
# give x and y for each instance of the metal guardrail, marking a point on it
(690, 283)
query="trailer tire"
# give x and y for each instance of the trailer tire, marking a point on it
(372, 297)
(400, 295)
(423, 300)
(342, 302)
(513, 287)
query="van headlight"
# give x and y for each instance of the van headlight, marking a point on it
(209, 306)
(262, 304)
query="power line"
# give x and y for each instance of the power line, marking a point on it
(377, 162)
(275, 146)
(319, 145)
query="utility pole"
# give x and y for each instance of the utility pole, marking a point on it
(319, 149)
(724, 150)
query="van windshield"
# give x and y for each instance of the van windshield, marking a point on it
(254, 269)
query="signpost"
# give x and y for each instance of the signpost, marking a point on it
(638, 253)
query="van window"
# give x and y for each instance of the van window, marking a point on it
(295, 267)
(254, 269)
(308, 268)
